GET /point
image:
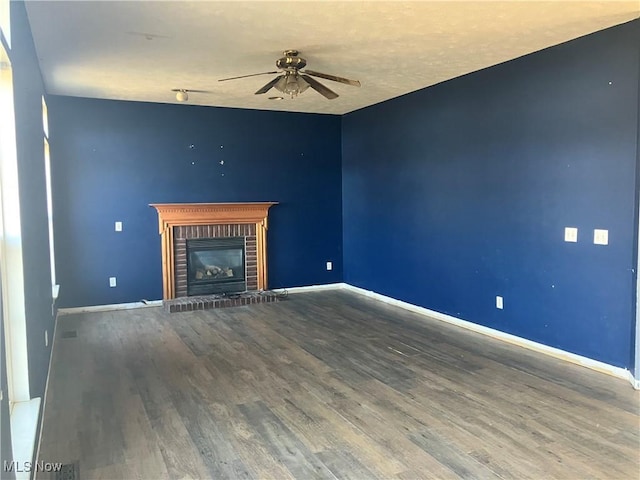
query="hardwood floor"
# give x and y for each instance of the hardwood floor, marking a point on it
(324, 385)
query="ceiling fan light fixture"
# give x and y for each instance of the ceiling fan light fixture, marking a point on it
(292, 84)
(291, 87)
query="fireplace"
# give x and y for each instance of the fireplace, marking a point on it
(216, 265)
(213, 248)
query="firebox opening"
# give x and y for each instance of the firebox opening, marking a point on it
(216, 265)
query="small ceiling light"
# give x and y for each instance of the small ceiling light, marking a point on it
(182, 96)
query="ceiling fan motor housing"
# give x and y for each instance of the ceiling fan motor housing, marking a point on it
(291, 60)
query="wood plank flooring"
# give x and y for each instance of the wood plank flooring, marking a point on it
(324, 385)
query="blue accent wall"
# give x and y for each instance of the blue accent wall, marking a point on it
(636, 335)
(111, 159)
(460, 192)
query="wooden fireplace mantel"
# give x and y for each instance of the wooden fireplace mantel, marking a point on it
(180, 214)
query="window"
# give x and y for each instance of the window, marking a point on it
(24, 410)
(47, 172)
(11, 243)
(5, 20)
(45, 119)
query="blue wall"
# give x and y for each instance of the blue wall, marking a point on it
(460, 192)
(111, 159)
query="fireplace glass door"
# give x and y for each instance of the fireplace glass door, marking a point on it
(215, 265)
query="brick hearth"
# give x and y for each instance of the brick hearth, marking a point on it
(206, 302)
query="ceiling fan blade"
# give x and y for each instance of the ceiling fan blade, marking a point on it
(269, 85)
(320, 88)
(188, 90)
(245, 76)
(354, 83)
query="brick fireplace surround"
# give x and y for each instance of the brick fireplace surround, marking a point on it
(179, 222)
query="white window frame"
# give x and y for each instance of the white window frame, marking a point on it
(47, 170)
(13, 302)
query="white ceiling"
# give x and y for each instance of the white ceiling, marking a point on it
(140, 50)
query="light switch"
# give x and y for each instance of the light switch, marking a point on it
(499, 302)
(601, 237)
(570, 234)
(329, 266)
(118, 226)
(112, 281)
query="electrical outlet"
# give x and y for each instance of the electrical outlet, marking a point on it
(118, 226)
(571, 234)
(329, 265)
(46, 338)
(499, 302)
(601, 237)
(112, 281)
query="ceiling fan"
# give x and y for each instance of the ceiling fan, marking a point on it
(293, 80)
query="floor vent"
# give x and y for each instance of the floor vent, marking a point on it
(70, 334)
(69, 471)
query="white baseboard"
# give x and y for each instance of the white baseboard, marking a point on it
(635, 382)
(506, 337)
(108, 308)
(311, 288)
